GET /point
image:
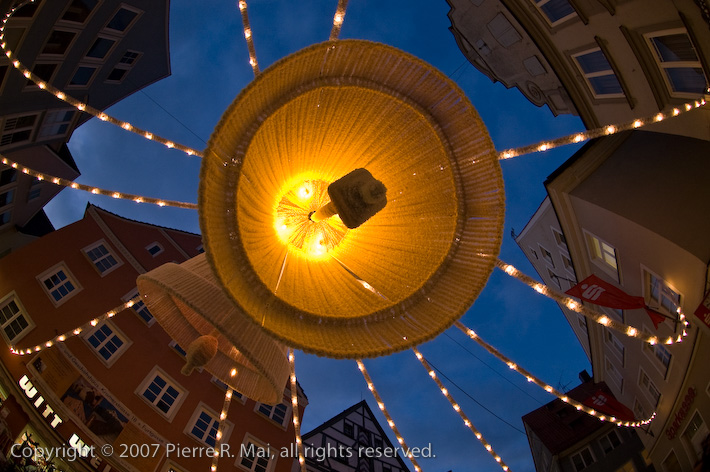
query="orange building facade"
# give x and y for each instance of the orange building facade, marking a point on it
(114, 393)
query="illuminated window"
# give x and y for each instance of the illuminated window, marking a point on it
(254, 456)
(162, 393)
(599, 74)
(101, 256)
(278, 413)
(649, 387)
(107, 342)
(602, 253)
(659, 295)
(14, 321)
(678, 60)
(59, 284)
(582, 459)
(556, 11)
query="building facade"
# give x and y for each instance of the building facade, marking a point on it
(608, 61)
(96, 51)
(351, 441)
(118, 382)
(563, 439)
(627, 209)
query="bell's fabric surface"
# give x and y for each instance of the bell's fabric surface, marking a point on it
(406, 274)
(187, 302)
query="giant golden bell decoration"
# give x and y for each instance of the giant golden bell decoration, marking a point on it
(407, 273)
(194, 310)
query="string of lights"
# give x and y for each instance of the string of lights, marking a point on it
(548, 388)
(457, 409)
(294, 404)
(248, 36)
(595, 316)
(390, 421)
(95, 190)
(338, 19)
(83, 106)
(222, 421)
(598, 132)
(76, 331)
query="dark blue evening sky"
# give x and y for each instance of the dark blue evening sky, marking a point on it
(209, 63)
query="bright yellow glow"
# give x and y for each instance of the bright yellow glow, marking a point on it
(296, 230)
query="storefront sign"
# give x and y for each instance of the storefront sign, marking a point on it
(682, 413)
(45, 410)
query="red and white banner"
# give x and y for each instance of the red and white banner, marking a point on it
(595, 290)
(703, 310)
(607, 404)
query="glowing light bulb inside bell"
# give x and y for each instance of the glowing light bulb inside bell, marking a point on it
(305, 192)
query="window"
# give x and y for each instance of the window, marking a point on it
(162, 392)
(602, 253)
(82, 76)
(100, 48)
(639, 410)
(613, 374)
(555, 279)
(18, 129)
(107, 342)
(615, 345)
(582, 320)
(679, 63)
(56, 123)
(139, 307)
(610, 441)
(203, 426)
(567, 262)
(547, 255)
(79, 10)
(102, 258)
(695, 433)
(534, 253)
(223, 386)
(648, 386)
(349, 429)
(582, 459)
(659, 295)
(559, 238)
(661, 354)
(58, 42)
(124, 65)
(277, 413)
(503, 31)
(671, 464)
(59, 284)
(556, 11)
(254, 456)
(5, 217)
(8, 176)
(122, 20)
(154, 249)
(14, 321)
(44, 71)
(599, 74)
(200, 249)
(7, 197)
(177, 348)
(35, 190)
